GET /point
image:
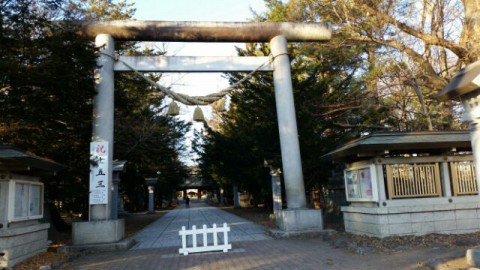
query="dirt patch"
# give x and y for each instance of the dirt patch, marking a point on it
(264, 217)
(256, 215)
(364, 245)
(45, 258)
(361, 244)
(138, 221)
(133, 223)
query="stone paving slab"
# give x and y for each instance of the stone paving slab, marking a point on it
(164, 231)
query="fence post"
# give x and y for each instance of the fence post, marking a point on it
(215, 236)
(194, 236)
(183, 233)
(205, 235)
(225, 237)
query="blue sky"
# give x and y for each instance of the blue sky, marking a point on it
(197, 10)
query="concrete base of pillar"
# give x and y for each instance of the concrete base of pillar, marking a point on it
(473, 257)
(98, 232)
(298, 220)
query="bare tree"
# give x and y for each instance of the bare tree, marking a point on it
(426, 42)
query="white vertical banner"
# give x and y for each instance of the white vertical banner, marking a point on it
(99, 173)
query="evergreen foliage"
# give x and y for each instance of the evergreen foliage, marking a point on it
(380, 72)
(46, 93)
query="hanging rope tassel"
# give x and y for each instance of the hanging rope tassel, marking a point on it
(219, 105)
(198, 115)
(173, 109)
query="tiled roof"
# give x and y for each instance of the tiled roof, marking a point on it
(16, 160)
(408, 142)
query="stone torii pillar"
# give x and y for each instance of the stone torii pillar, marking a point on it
(103, 110)
(296, 217)
(102, 227)
(287, 124)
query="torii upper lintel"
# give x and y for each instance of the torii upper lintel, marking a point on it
(207, 31)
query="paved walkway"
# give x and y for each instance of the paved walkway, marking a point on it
(158, 246)
(164, 232)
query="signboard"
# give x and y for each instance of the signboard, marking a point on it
(99, 173)
(361, 184)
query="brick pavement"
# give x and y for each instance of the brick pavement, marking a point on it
(265, 254)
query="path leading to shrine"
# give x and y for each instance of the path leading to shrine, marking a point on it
(158, 244)
(164, 231)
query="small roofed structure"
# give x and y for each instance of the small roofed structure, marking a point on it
(409, 184)
(201, 185)
(13, 159)
(400, 143)
(22, 234)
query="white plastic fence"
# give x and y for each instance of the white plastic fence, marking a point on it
(204, 232)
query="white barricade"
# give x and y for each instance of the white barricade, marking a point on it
(214, 231)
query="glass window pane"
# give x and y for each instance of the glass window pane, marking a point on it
(21, 200)
(35, 200)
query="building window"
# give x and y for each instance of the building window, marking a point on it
(361, 183)
(25, 200)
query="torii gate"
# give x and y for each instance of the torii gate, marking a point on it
(296, 217)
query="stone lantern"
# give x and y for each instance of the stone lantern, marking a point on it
(117, 168)
(466, 85)
(151, 182)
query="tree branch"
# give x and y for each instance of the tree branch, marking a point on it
(430, 77)
(460, 51)
(347, 125)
